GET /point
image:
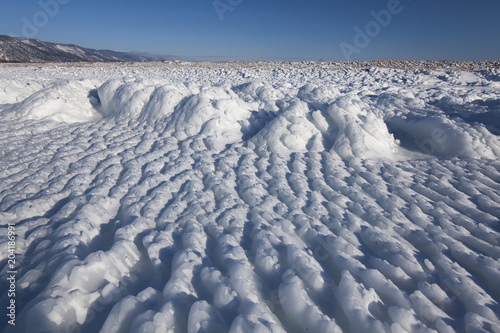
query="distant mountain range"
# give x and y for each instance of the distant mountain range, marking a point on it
(18, 49)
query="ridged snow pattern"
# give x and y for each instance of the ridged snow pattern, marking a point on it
(294, 201)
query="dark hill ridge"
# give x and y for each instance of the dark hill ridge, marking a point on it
(18, 49)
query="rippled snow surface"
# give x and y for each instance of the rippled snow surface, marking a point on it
(210, 199)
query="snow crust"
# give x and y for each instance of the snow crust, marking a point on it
(213, 199)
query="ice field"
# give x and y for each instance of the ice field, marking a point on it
(183, 197)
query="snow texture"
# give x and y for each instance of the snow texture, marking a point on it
(209, 198)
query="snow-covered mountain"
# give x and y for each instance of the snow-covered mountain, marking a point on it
(16, 49)
(191, 197)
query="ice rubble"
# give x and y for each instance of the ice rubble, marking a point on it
(200, 200)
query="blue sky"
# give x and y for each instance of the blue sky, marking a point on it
(269, 30)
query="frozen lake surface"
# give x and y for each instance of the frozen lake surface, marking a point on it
(184, 197)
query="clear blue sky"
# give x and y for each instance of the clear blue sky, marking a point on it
(271, 29)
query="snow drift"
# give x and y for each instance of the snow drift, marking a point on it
(68, 102)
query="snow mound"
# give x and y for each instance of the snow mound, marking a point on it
(291, 131)
(443, 137)
(213, 112)
(323, 119)
(261, 94)
(67, 102)
(13, 91)
(142, 100)
(358, 131)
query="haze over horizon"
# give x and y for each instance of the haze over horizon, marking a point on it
(259, 30)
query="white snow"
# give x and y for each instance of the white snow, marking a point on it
(185, 197)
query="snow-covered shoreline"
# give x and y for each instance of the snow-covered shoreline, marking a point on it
(207, 197)
(466, 65)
